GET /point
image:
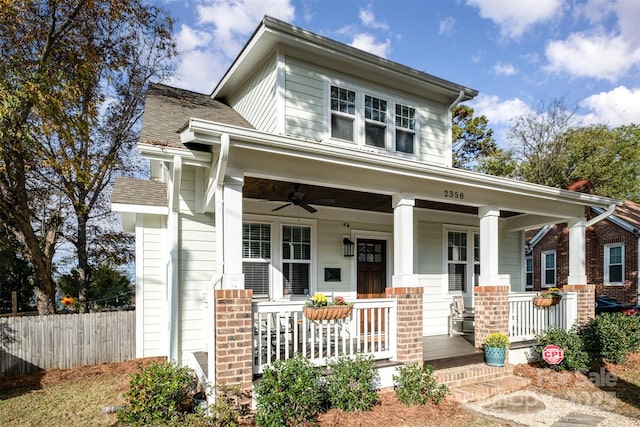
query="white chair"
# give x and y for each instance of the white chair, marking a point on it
(458, 313)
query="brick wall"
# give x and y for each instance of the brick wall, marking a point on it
(409, 320)
(586, 301)
(597, 236)
(491, 306)
(233, 332)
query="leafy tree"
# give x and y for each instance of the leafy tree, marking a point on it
(500, 163)
(72, 80)
(539, 143)
(108, 287)
(471, 138)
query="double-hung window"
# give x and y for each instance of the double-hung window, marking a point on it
(463, 261)
(371, 120)
(614, 264)
(343, 113)
(256, 258)
(296, 259)
(548, 269)
(529, 273)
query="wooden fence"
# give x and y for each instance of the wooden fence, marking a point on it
(32, 343)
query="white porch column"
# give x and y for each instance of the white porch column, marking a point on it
(577, 252)
(489, 216)
(403, 204)
(173, 264)
(232, 229)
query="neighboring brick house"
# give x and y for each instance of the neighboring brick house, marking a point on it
(611, 254)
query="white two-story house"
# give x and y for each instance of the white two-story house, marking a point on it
(316, 167)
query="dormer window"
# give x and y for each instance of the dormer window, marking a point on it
(373, 121)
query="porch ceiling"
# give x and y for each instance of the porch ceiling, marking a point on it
(266, 189)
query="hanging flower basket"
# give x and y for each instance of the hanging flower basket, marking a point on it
(329, 312)
(547, 302)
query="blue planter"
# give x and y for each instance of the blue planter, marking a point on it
(494, 356)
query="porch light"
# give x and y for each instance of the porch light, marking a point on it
(348, 246)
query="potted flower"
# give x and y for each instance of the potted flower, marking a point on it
(319, 308)
(495, 349)
(547, 297)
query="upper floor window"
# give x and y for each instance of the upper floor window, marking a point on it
(370, 120)
(549, 269)
(614, 264)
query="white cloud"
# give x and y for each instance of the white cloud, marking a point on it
(498, 111)
(601, 56)
(620, 106)
(368, 19)
(234, 20)
(188, 38)
(514, 18)
(368, 43)
(198, 70)
(446, 25)
(531, 58)
(501, 69)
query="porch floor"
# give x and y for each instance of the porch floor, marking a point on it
(443, 351)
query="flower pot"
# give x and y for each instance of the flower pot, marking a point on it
(330, 312)
(547, 302)
(495, 356)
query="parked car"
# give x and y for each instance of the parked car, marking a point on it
(607, 304)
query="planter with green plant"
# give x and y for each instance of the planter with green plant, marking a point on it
(495, 349)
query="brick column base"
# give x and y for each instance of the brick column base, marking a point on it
(491, 306)
(409, 323)
(233, 338)
(586, 301)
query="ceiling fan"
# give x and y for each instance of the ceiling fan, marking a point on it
(298, 198)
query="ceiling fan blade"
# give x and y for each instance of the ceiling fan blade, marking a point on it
(281, 207)
(307, 207)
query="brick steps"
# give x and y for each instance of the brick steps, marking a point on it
(477, 382)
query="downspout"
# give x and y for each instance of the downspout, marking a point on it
(221, 169)
(450, 126)
(174, 297)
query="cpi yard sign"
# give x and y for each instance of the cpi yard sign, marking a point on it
(552, 354)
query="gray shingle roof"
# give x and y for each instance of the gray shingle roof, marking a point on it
(168, 108)
(130, 191)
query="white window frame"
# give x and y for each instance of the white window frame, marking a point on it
(360, 121)
(276, 287)
(471, 263)
(260, 260)
(607, 263)
(543, 269)
(527, 272)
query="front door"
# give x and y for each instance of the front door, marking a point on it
(372, 280)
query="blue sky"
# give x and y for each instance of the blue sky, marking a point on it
(516, 53)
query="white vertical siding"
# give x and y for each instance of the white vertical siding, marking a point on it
(154, 288)
(256, 101)
(434, 146)
(197, 264)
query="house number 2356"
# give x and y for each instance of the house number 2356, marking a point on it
(450, 194)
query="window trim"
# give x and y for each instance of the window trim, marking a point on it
(470, 262)
(276, 287)
(360, 120)
(543, 276)
(607, 263)
(527, 272)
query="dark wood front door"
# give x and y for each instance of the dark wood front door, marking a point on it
(372, 279)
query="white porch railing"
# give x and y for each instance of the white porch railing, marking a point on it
(526, 319)
(280, 331)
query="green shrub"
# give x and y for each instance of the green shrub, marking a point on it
(575, 356)
(416, 385)
(289, 394)
(155, 394)
(351, 383)
(610, 336)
